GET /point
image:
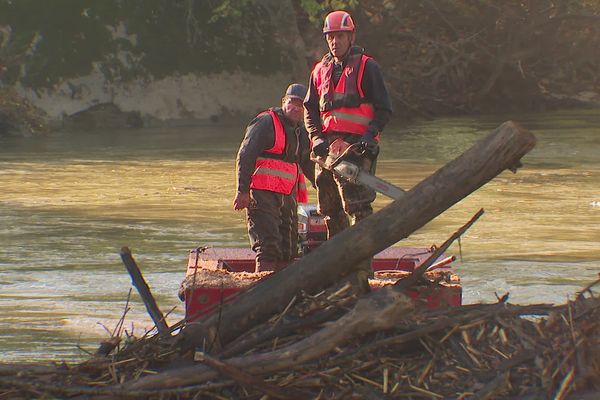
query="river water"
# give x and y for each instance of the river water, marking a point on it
(70, 201)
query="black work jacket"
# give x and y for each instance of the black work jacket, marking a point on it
(260, 136)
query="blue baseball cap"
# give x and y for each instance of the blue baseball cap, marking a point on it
(296, 90)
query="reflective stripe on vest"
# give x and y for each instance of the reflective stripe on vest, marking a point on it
(347, 120)
(273, 174)
(343, 109)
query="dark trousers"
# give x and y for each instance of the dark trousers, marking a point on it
(272, 226)
(288, 228)
(339, 199)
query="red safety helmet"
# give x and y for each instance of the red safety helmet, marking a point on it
(338, 21)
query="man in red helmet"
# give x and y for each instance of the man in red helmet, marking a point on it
(274, 152)
(347, 99)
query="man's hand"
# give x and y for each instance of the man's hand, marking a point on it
(369, 142)
(241, 201)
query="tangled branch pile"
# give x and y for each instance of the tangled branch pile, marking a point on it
(456, 56)
(478, 351)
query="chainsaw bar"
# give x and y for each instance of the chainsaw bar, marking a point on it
(335, 163)
(355, 174)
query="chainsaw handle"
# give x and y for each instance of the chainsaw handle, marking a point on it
(356, 148)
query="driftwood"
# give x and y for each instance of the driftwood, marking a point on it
(144, 290)
(248, 341)
(501, 149)
(246, 379)
(379, 311)
(474, 351)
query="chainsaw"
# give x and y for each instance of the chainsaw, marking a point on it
(338, 162)
(342, 158)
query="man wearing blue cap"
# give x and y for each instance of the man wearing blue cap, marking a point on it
(274, 152)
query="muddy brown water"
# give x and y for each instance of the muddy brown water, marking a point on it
(68, 203)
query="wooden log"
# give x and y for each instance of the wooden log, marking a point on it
(501, 149)
(24, 369)
(379, 311)
(251, 340)
(144, 290)
(248, 380)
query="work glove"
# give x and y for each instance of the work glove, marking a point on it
(321, 148)
(369, 143)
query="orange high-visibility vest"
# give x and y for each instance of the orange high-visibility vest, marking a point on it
(271, 172)
(343, 107)
(301, 191)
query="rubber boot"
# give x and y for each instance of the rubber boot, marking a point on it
(264, 265)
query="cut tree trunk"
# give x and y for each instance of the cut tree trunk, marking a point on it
(501, 149)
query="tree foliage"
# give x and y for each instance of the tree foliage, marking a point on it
(45, 42)
(465, 55)
(439, 56)
(316, 9)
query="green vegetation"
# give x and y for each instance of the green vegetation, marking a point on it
(19, 116)
(46, 42)
(439, 57)
(449, 56)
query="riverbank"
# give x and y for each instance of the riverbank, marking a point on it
(86, 104)
(92, 103)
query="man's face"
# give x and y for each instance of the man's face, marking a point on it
(293, 109)
(339, 43)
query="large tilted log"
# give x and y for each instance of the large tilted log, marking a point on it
(380, 311)
(501, 149)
